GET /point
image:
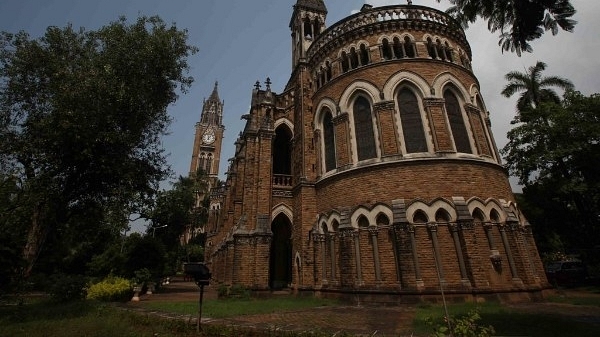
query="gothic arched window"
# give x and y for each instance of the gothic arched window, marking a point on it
(363, 126)
(353, 58)
(409, 47)
(412, 124)
(364, 55)
(398, 48)
(345, 62)
(209, 163)
(386, 50)
(329, 140)
(457, 123)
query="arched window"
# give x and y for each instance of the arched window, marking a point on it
(282, 151)
(457, 123)
(382, 220)
(412, 125)
(209, 163)
(386, 50)
(308, 33)
(363, 126)
(363, 222)
(202, 162)
(364, 55)
(409, 47)
(329, 140)
(440, 50)
(398, 48)
(431, 49)
(449, 52)
(345, 62)
(442, 216)
(327, 71)
(420, 217)
(353, 58)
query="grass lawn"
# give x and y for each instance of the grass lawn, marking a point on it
(507, 321)
(224, 308)
(40, 317)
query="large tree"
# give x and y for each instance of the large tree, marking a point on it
(81, 116)
(518, 21)
(534, 88)
(555, 155)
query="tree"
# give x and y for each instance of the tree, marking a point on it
(555, 155)
(179, 209)
(534, 88)
(519, 21)
(81, 116)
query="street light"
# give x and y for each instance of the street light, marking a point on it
(154, 229)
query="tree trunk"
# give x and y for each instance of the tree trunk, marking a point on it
(35, 239)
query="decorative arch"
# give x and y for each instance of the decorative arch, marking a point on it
(395, 81)
(282, 209)
(445, 78)
(446, 206)
(358, 86)
(286, 122)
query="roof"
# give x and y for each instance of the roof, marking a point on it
(317, 5)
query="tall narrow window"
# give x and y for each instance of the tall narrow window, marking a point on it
(353, 58)
(398, 52)
(364, 55)
(457, 123)
(363, 126)
(431, 49)
(329, 140)
(386, 50)
(209, 163)
(412, 124)
(202, 162)
(345, 62)
(409, 47)
(328, 71)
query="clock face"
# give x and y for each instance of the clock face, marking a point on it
(208, 138)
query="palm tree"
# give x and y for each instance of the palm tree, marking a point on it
(519, 21)
(534, 88)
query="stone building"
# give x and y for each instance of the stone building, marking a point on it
(374, 174)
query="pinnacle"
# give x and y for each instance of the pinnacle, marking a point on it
(317, 5)
(215, 94)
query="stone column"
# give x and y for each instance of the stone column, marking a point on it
(432, 227)
(373, 232)
(459, 254)
(511, 261)
(356, 239)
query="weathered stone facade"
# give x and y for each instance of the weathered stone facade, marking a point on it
(374, 174)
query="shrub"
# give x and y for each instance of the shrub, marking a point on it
(110, 289)
(65, 288)
(464, 326)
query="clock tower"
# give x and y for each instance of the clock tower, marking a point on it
(206, 153)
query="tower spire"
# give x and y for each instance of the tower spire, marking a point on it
(315, 5)
(214, 96)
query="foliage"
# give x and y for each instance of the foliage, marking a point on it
(145, 252)
(555, 154)
(81, 116)
(534, 88)
(142, 276)
(463, 326)
(110, 289)
(178, 208)
(64, 288)
(519, 22)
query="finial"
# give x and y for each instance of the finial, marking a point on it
(257, 85)
(268, 83)
(410, 2)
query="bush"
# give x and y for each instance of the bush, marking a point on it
(110, 289)
(65, 288)
(464, 326)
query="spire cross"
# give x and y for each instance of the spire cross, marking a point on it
(268, 83)
(257, 85)
(410, 2)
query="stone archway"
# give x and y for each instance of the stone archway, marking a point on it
(280, 255)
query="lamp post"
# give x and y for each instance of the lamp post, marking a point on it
(154, 229)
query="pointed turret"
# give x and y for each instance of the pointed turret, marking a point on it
(215, 94)
(307, 23)
(315, 5)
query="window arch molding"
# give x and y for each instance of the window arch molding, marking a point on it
(285, 121)
(282, 209)
(371, 214)
(391, 86)
(328, 221)
(486, 206)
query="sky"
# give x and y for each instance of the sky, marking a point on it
(242, 41)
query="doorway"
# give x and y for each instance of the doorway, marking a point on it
(280, 255)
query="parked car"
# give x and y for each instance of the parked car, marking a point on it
(566, 273)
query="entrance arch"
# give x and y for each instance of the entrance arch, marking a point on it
(280, 255)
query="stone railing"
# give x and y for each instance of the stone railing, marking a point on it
(282, 180)
(381, 14)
